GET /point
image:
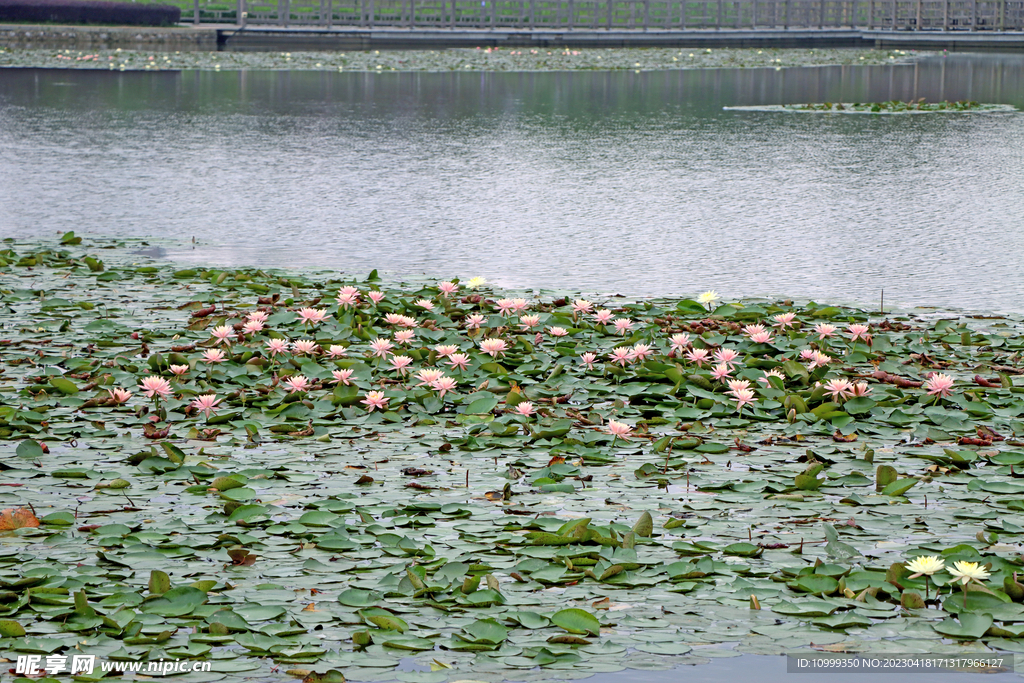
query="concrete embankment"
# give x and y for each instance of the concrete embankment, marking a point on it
(168, 39)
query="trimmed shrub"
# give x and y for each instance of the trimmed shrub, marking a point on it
(88, 12)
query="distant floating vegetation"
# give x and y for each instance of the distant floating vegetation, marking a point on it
(919, 106)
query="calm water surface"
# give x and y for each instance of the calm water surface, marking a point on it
(636, 183)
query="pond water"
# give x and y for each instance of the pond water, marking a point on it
(768, 669)
(626, 182)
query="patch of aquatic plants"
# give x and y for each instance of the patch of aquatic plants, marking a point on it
(486, 59)
(919, 106)
(333, 473)
(893, 106)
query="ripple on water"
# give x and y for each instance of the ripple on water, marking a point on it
(601, 181)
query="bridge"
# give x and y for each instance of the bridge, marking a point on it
(616, 15)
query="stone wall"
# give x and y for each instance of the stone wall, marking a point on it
(166, 39)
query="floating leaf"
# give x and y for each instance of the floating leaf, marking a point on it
(969, 627)
(17, 518)
(383, 619)
(577, 621)
(175, 602)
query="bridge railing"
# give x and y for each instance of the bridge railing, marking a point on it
(618, 14)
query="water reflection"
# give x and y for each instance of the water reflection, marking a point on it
(638, 183)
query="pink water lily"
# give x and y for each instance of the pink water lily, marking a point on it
(376, 296)
(588, 359)
(348, 296)
(404, 336)
(727, 356)
(858, 331)
(427, 376)
(120, 396)
(448, 289)
(296, 383)
(603, 317)
(774, 372)
(155, 387)
(698, 356)
(400, 320)
(582, 306)
(557, 331)
(824, 330)
(939, 385)
(444, 384)
(640, 352)
(524, 408)
(305, 346)
(312, 316)
(622, 325)
(721, 371)
(381, 347)
(505, 306)
(223, 334)
(375, 399)
(819, 359)
(743, 397)
(401, 364)
(458, 361)
(679, 342)
(493, 347)
(784, 321)
(445, 350)
(336, 351)
(473, 322)
(528, 321)
(207, 403)
(213, 356)
(619, 430)
(519, 305)
(251, 327)
(257, 316)
(425, 304)
(839, 388)
(751, 330)
(621, 355)
(342, 376)
(737, 385)
(276, 346)
(861, 389)
(179, 370)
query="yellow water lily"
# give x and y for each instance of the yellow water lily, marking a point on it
(708, 297)
(925, 565)
(967, 572)
(476, 283)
